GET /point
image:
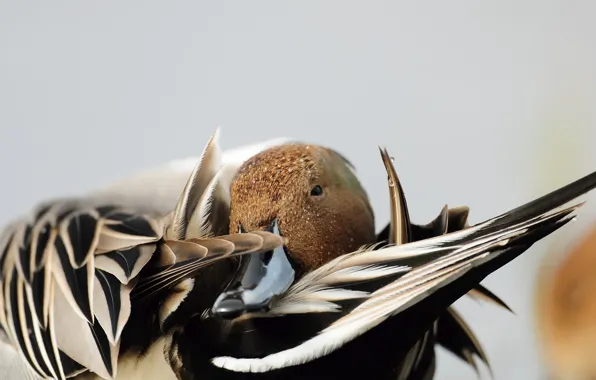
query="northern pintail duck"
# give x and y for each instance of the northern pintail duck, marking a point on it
(265, 268)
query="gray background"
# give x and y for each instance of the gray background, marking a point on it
(487, 104)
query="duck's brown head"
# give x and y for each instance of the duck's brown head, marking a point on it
(318, 202)
(312, 196)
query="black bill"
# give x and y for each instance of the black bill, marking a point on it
(261, 277)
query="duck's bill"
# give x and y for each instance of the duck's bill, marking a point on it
(260, 279)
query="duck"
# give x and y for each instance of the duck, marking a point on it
(268, 269)
(565, 314)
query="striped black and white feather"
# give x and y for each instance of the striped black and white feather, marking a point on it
(65, 280)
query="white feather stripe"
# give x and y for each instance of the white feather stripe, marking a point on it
(338, 294)
(313, 348)
(362, 273)
(115, 352)
(14, 247)
(47, 281)
(20, 285)
(74, 336)
(52, 328)
(90, 266)
(305, 307)
(125, 309)
(317, 299)
(37, 333)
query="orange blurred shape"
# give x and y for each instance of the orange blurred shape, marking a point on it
(566, 313)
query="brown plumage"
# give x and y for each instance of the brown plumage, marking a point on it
(283, 182)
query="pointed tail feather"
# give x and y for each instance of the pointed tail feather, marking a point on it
(550, 201)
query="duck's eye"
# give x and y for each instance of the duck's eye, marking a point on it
(316, 191)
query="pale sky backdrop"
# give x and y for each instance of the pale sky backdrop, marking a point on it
(487, 104)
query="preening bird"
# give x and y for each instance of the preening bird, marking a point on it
(267, 267)
(566, 312)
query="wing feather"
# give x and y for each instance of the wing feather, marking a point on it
(211, 215)
(175, 280)
(125, 264)
(448, 258)
(12, 365)
(64, 313)
(76, 339)
(482, 293)
(76, 283)
(204, 172)
(112, 302)
(196, 254)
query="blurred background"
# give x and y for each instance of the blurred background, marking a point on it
(483, 104)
